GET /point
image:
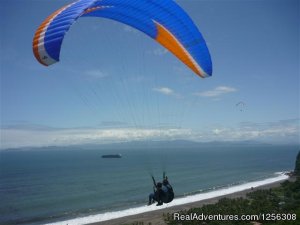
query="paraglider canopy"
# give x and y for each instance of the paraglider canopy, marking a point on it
(162, 20)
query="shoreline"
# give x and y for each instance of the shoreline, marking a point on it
(154, 214)
(156, 217)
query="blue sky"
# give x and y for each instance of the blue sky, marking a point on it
(113, 83)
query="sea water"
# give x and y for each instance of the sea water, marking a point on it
(71, 185)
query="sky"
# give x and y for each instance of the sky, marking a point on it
(114, 84)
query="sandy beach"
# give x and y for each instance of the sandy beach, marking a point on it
(156, 217)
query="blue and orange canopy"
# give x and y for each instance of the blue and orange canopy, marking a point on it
(162, 20)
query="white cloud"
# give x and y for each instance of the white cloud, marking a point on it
(217, 131)
(11, 138)
(164, 90)
(271, 132)
(167, 91)
(285, 131)
(218, 91)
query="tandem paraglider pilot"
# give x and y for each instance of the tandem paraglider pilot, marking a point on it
(162, 192)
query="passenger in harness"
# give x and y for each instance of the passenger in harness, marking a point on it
(167, 189)
(162, 192)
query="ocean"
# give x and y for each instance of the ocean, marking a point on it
(75, 185)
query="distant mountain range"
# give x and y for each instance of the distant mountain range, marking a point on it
(170, 144)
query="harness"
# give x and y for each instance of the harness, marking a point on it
(168, 194)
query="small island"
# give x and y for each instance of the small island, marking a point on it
(112, 156)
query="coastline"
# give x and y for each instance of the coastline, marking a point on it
(156, 217)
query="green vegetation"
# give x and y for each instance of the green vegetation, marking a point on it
(279, 205)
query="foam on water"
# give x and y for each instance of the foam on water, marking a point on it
(280, 176)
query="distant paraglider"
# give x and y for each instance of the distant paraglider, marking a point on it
(241, 106)
(162, 20)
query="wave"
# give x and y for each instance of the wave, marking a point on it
(280, 176)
